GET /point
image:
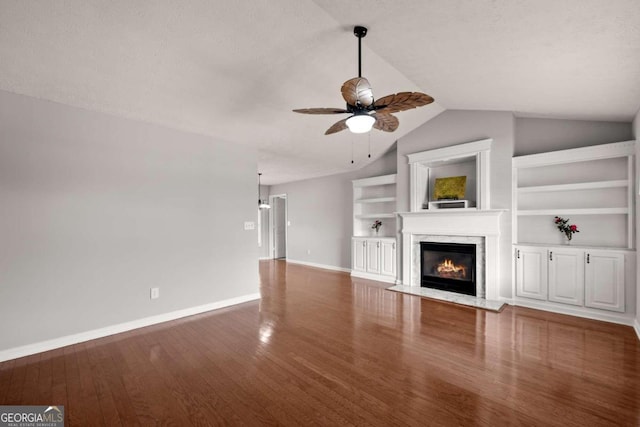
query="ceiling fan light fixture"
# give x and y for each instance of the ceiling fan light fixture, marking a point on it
(262, 204)
(361, 123)
(366, 111)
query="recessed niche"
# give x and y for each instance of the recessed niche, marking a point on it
(470, 160)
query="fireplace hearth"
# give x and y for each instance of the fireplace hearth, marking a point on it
(448, 266)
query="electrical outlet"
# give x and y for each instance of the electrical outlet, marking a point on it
(155, 293)
(308, 251)
(249, 225)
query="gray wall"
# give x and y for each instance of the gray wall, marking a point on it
(636, 134)
(541, 135)
(96, 210)
(455, 127)
(263, 250)
(320, 212)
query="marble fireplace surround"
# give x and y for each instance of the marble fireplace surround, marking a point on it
(474, 240)
(481, 227)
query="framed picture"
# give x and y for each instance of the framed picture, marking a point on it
(450, 188)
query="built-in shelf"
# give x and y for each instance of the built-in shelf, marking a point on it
(574, 187)
(376, 216)
(574, 246)
(584, 211)
(592, 187)
(373, 251)
(376, 200)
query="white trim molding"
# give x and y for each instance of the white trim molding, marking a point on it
(372, 276)
(594, 152)
(29, 349)
(421, 163)
(636, 326)
(316, 265)
(603, 315)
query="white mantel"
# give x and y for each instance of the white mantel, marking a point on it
(463, 223)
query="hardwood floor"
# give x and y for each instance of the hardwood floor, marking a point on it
(321, 348)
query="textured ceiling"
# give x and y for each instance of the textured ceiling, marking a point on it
(235, 70)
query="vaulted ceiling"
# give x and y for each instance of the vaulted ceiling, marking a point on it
(235, 70)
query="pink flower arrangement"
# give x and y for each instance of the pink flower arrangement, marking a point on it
(568, 230)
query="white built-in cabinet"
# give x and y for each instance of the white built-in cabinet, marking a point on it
(594, 279)
(531, 272)
(604, 281)
(388, 257)
(594, 188)
(359, 254)
(566, 276)
(374, 258)
(374, 255)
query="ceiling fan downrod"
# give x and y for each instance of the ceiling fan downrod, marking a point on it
(359, 32)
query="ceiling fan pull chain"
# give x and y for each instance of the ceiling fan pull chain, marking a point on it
(369, 144)
(351, 149)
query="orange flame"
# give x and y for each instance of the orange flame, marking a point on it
(450, 270)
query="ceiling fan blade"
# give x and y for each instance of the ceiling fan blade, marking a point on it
(337, 127)
(385, 122)
(321, 110)
(357, 91)
(402, 101)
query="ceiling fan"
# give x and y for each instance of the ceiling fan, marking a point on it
(367, 112)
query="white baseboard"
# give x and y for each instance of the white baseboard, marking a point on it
(600, 315)
(636, 326)
(26, 350)
(506, 300)
(323, 266)
(370, 276)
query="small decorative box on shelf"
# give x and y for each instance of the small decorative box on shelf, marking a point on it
(450, 204)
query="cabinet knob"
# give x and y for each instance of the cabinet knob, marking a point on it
(518, 253)
(393, 245)
(377, 244)
(588, 256)
(550, 255)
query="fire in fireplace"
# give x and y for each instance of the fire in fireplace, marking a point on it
(448, 266)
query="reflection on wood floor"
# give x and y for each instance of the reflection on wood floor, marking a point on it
(321, 348)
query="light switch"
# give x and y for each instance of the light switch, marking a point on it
(249, 225)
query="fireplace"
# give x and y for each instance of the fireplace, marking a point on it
(448, 266)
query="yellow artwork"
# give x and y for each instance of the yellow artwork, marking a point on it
(451, 188)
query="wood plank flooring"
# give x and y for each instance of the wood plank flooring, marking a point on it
(322, 349)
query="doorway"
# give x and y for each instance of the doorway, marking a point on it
(279, 221)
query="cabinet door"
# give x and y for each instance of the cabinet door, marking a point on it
(388, 258)
(604, 280)
(359, 254)
(566, 275)
(373, 256)
(531, 272)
